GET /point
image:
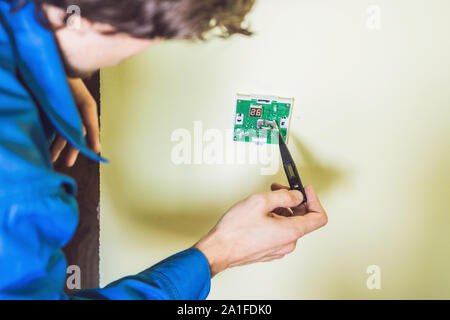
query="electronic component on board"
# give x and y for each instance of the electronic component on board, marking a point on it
(257, 115)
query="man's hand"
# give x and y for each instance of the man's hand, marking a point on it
(88, 112)
(262, 228)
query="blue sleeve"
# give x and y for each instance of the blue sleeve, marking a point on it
(183, 276)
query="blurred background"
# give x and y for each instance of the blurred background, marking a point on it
(370, 131)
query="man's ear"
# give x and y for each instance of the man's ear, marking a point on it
(55, 15)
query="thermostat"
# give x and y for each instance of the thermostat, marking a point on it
(255, 116)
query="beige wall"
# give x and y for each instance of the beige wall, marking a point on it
(370, 132)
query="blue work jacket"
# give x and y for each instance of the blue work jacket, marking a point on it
(38, 211)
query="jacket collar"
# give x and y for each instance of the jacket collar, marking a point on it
(41, 67)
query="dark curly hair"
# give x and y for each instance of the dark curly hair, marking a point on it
(167, 19)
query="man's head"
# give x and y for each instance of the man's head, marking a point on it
(109, 31)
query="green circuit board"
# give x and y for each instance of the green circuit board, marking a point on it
(253, 121)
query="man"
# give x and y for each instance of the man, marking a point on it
(38, 211)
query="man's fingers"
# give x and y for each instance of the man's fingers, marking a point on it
(71, 156)
(300, 210)
(285, 212)
(315, 217)
(310, 222)
(268, 201)
(313, 204)
(57, 146)
(306, 218)
(90, 120)
(88, 112)
(277, 186)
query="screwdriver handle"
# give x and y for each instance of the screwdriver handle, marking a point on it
(294, 179)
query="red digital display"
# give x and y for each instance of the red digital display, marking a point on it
(256, 112)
